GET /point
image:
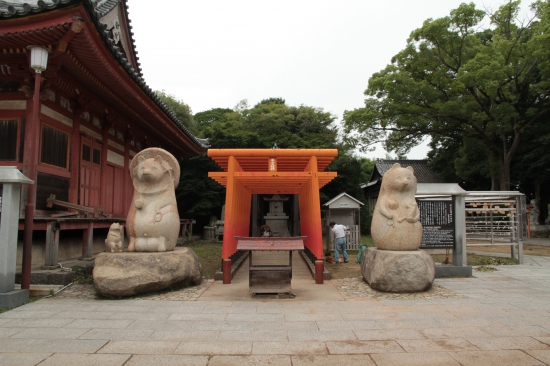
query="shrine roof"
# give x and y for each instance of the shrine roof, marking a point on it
(422, 172)
(289, 174)
(288, 160)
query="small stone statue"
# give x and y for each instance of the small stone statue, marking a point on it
(153, 221)
(114, 238)
(395, 222)
(534, 214)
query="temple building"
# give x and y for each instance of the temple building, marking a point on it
(74, 123)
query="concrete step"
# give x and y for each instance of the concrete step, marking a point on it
(41, 290)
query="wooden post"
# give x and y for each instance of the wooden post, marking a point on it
(32, 141)
(103, 179)
(88, 241)
(226, 270)
(75, 161)
(52, 244)
(319, 271)
(126, 176)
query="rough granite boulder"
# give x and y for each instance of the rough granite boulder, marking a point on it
(131, 273)
(397, 271)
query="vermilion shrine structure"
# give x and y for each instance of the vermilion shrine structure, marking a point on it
(272, 171)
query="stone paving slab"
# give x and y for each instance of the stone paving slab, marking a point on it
(495, 358)
(498, 318)
(22, 359)
(414, 359)
(258, 360)
(85, 359)
(332, 360)
(167, 360)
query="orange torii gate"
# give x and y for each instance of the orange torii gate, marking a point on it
(272, 171)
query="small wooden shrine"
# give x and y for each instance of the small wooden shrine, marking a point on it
(272, 171)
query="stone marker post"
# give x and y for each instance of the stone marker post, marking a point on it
(460, 252)
(11, 179)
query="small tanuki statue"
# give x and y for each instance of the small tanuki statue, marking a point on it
(395, 222)
(113, 243)
(153, 221)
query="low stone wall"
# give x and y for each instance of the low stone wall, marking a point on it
(70, 245)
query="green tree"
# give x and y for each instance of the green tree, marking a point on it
(453, 79)
(198, 196)
(268, 122)
(180, 109)
(291, 127)
(210, 117)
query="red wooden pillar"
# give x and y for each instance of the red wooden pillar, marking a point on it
(229, 233)
(30, 159)
(75, 160)
(104, 149)
(310, 218)
(126, 176)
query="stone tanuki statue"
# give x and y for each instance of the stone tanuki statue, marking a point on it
(395, 222)
(396, 265)
(114, 238)
(153, 222)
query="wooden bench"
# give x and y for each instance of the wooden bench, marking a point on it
(94, 211)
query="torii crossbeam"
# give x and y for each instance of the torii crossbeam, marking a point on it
(272, 171)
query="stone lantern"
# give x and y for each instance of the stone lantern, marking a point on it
(11, 179)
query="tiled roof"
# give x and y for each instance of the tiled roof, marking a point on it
(97, 9)
(18, 8)
(421, 171)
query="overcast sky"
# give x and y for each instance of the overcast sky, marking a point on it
(320, 53)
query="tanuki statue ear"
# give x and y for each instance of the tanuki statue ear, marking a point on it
(158, 159)
(410, 168)
(141, 159)
(396, 165)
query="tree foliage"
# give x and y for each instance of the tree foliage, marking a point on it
(180, 109)
(268, 122)
(198, 195)
(457, 82)
(211, 117)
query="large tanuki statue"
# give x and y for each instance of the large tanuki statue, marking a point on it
(153, 221)
(396, 265)
(395, 222)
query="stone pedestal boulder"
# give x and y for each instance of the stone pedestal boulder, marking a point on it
(398, 271)
(131, 273)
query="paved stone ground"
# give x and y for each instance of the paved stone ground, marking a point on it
(494, 318)
(184, 294)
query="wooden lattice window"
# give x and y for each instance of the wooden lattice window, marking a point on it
(55, 147)
(8, 139)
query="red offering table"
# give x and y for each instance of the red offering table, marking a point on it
(268, 279)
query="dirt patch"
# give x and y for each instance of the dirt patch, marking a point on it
(477, 259)
(528, 249)
(345, 270)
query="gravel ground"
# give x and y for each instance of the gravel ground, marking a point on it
(350, 288)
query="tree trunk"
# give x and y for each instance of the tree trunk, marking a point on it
(507, 161)
(537, 199)
(505, 177)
